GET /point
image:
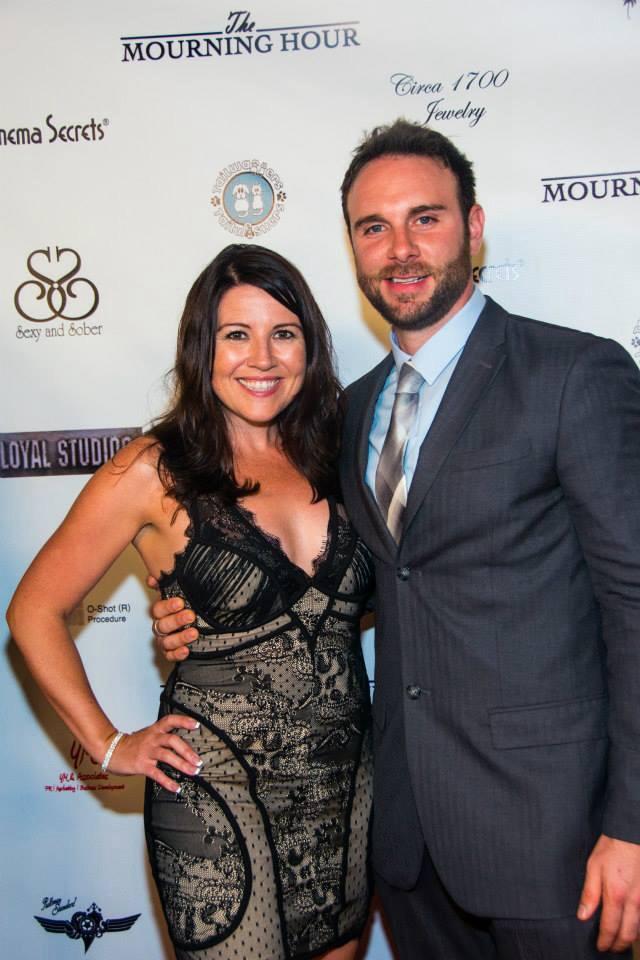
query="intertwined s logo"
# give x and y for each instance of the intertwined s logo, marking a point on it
(64, 295)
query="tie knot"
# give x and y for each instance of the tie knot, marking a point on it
(410, 380)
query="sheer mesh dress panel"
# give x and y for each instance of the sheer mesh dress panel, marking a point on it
(264, 853)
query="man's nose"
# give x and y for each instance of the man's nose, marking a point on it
(402, 245)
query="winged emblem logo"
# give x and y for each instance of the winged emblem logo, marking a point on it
(87, 925)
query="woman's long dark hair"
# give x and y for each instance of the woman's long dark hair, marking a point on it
(196, 455)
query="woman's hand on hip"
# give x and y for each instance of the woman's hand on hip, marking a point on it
(142, 751)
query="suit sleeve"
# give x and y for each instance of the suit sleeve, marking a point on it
(598, 460)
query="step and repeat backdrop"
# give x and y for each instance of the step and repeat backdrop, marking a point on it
(136, 140)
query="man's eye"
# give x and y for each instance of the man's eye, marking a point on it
(425, 219)
(374, 228)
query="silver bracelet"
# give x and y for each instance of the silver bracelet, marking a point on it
(117, 737)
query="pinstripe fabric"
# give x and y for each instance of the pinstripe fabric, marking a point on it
(506, 717)
(428, 925)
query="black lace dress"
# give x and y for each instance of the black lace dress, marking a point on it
(263, 855)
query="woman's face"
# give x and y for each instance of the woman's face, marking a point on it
(260, 356)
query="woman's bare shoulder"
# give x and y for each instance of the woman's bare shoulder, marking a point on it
(139, 459)
(131, 472)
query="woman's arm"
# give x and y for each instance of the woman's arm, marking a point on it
(119, 500)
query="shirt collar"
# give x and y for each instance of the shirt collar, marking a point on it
(436, 354)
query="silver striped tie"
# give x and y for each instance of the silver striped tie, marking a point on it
(391, 486)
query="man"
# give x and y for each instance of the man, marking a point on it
(490, 464)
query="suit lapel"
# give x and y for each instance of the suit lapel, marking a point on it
(481, 359)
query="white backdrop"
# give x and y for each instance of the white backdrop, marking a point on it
(114, 154)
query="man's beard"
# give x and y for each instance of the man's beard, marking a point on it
(450, 282)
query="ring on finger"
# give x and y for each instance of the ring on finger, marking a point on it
(156, 631)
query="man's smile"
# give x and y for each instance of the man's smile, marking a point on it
(406, 281)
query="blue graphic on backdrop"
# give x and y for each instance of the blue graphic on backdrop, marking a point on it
(635, 341)
(248, 198)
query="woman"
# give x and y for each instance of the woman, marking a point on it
(257, 808)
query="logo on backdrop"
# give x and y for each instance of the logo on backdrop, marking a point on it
(56, 292)
(498, 272)
(248, 198)
(99, 613)
(86, 925)
(57, 905)
(56, 453)
(591, 186)
(635, 341)
(239, 35)
(90, 131)
(628, 4)
(462, 98)
(85, 777)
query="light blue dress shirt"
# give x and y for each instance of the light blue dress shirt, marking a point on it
(436, 360)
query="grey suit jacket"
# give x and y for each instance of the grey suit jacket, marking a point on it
(506, 705)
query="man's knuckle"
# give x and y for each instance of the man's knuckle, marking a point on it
(617, 895)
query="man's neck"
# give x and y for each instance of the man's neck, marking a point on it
(410, 341)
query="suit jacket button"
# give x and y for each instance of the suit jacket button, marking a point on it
(404, 573)
(414, 691)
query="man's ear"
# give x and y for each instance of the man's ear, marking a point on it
(475, 222)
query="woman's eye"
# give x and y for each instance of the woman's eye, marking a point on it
(235, 335)
(284, 334)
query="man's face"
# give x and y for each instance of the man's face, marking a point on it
(411, 243)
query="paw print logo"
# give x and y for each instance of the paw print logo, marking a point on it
(635, 341)
(248, 198)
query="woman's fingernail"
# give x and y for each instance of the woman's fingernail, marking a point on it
(178, 789)
(196, 725)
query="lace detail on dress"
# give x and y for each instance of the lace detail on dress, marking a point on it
(263, 855)
(276, 542)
